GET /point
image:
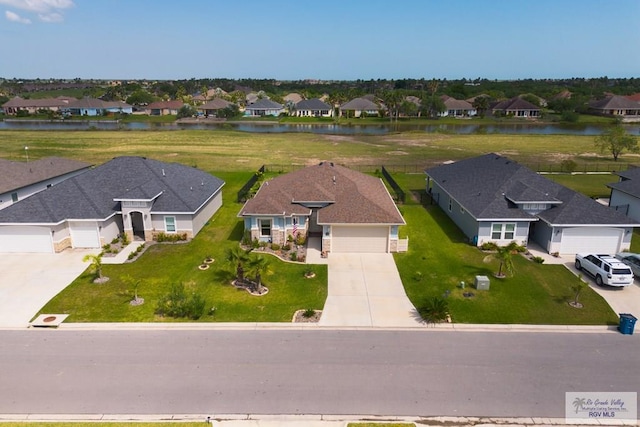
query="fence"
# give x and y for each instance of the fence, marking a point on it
(544, 167)
(400, 196)
(243, 194)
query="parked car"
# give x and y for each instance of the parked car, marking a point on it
(632, 260)
(605, 269)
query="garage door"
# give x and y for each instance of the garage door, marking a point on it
(25, 239)
(359, 239)
(84, 235)
(586, 239)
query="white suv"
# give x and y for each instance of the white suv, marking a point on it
(605, 269)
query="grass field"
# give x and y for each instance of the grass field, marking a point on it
(221, 150)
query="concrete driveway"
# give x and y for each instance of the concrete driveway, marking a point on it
(366, 290)
(29, 281)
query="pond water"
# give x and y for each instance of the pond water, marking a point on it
(333, 129)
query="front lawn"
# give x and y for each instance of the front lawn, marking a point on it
(165, 264)
(536, 294)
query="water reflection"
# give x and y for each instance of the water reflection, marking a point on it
(329, 128)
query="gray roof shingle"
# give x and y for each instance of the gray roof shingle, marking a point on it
(93, 194)
(630, 182)
(487, 187)
(312, 104)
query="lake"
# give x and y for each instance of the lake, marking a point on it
(333, 129)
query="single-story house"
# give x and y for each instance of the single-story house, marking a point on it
(20, 180)
(96, 107)
(163, 108)
(348, 210)
(264, 107)
(313, 108)
(32, 106)
(135, 196)
(616, 105)
(625, 194)
(516, 107)
(212, 107)
(456, 107)
(359, 107)
(492, 198)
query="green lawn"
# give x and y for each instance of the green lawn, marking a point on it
(165, 264)
(536, 294)
(592, 185)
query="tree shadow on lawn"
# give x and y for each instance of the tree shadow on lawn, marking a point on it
(237, 232)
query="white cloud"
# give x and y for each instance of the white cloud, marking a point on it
(14, 17)
(46, 10)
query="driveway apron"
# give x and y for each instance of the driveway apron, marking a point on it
(366, 290)
(29, 281)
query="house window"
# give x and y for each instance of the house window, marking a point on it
(265, 227)
(170, 224)
(503, 231)
(14, 197)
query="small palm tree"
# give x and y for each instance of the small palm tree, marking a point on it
(238, 257)
(258, 266)
(504, 254)
(577, 287)
(434, 310)
(96, 264)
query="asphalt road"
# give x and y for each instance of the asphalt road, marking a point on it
(422, 373)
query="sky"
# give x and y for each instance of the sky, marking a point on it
(326, 40)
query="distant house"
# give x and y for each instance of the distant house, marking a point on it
(516, 107)
(359, 107)
(457, 108)
(625, 194)
(293, 97)
(33, 106)
(135, 196)
(350, 211)
(20, 180)
(212, 107)
(264, 107)
(492, 198)
(616, 105)
(86, 107)
(163, 108)
(313, 108)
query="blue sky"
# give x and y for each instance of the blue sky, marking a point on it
(329, 39)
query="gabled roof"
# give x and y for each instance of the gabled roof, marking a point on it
(488, 187)
(293, 97)
(17, 175)
(215, 104)
(515, 103)
(350, 197)
(312, 104)
(18, 102)
(630, 182)
(264, 104)
(95, 194)
(360, 104)
(615, 102)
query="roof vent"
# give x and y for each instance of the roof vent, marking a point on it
(202, 182)
(163, 174)
(191, 188)
(334, 180)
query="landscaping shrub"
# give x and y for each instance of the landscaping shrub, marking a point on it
(308, 313)
(538, 259)
(178, 304)
(246, 238)
(301, 239)
(294, 256)
(275, 247)
(434, 310)
(287, 247)
(164, 237)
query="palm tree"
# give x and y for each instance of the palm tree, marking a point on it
(238, 257)
(577, 287)
(96, 264)
(259, 265)
(504, 254)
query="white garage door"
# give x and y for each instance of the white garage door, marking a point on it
(84, 235)
(586, 239)
(359, 239)
(25, 239)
